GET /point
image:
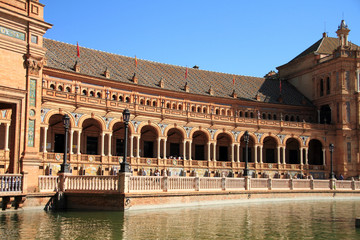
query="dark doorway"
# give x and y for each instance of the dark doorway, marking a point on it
(199, 152)
(59, 143)
(270, 155)
(325, 114)
(148, 149)
(91, 145)
(293, 157)
(174, 149)
(223, 153)
(119, 147)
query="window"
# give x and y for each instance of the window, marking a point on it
(34, 39)
(337, 80)
(321, 87)
(347, 79)
(337, 113)
(348, 112)
(328, 85)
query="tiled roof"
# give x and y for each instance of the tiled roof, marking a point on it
(325, 45)
(62, 56)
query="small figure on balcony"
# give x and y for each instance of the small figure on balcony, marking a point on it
(341, 177)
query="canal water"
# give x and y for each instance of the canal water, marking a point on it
(321, 219)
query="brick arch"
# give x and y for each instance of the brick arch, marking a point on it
(181, 129)
(277, 140)
(97, 118)
(156, 127)
(207, 133)
(117, 120)
(52, 112)
(321, 140)
(230, 134)
(287, 137)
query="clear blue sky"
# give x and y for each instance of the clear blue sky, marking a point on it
(231, 36)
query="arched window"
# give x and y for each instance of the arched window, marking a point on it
(121, 98)
(246, 114)
(251, 115)
(228, 113)
(68, 89)
(193, 108)
(60, 88)
(199, 109)
(269, 116)
(274, 117)
(168, 105)
(127, 99)
(98, 94)
(114, 97)
(204, 110)
(297, 118)
(154, 104)
(240, 114)
(142, 102)
(148, 102)
(92, 94)
(286, 118)
(180, 107)
(264, 116)
(52, 86)
(174, 106)
(292, 118)
(217, 111)
(84, 92)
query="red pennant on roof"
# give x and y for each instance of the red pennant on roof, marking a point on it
(78, 50)
(233, 80)
(186, 73)
(135, 61)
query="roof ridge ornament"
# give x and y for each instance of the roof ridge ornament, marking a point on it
(186, 87)
(134, 79)
(107, 73)
(211, 91)
(234, 94)
(77, 67)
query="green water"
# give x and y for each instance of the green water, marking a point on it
(323, 219)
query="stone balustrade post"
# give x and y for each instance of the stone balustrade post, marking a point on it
(291, 183)
(165, 187)
(269, 183)
(311, 182)
(247, 183)
(24, 182)
(333, 184)
(124, 182)
(197, 183)
(223, 183)
(353, 187)
(62, 181)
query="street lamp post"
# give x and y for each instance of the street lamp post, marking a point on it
(65, 167)
(331, 148)
(125, 165)
(246, 139)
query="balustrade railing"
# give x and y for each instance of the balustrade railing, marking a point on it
(181, 183)
(10, 183)
(48, 183)
(210, 183)
(145, 184)
(92, 183)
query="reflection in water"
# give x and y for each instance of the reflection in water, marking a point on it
(280, 220)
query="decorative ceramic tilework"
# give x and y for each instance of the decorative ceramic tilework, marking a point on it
(31, 133)
(32, 92)
(12, 33)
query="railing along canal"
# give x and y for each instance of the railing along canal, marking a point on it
(11, 183)
(143, 184)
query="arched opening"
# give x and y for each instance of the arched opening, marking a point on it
(315, 152)
(223, 145)
(148, 142)
(121, 98)
(199, 145)
(269, 150)
(148, 102)
(52, 86)
(251, 148)
(98, 94)
(117, 139)
(60, 88)
(174, 143)
(292, 151)
(91, 137)
(68, 89)
(84, 92)
(56, 133)
(91, 94)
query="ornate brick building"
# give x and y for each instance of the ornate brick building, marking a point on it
(183, 121)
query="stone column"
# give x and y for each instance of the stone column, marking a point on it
(7, 136)
(306, 156)
(324, 151)
(164, 149)
(110, 145)
(214, 152)
(301, 156)
(158, 147)
(278, 155)
(190, 155)
(102, 143)
(255, 154)
(138, 146)
(232, 152)
(209, 152)
(79, 142)
(238, 152)
(45, 139)
(71, 141)
(261, 154)
(131, 146)
(184, 149)
(283, 153)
